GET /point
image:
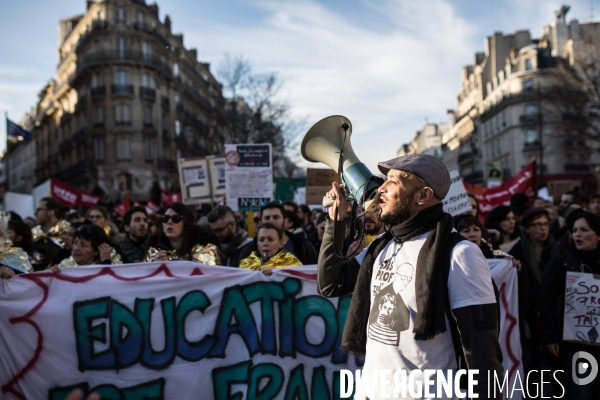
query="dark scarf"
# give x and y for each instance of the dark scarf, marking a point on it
(430, 290)
(591, 258)
(230, 247)
(133, 251)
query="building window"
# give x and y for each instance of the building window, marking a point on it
(99, 149)
(146, 51)
(177, 128)
(99, 116)
(123, 149)
(140, 18)
(97, 80)
(149, 148)
(175, 69)
(122, 114)
(146, 81)
(147, 115)
(528, 64)
(531, 109)
(531, 136)
(527, 85)
(121, 47)
(124, 182)
(120, 15)
(177, 98)
(165, 122)
(121, 77)
(97, 47)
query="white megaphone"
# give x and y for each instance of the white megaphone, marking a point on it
(328, 141)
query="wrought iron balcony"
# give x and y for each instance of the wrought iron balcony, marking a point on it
(147, 93)
(164, 101)
(530, 118)
(98, 92)
(122, 56)
(122, 90)
(142, 27)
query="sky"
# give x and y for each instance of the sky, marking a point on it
(387, 65)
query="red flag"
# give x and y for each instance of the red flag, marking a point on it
(120, 209)
(151, 206)
(64, 193)
(164, 199)
(524, 182)
(127, 202)
(88, 199)
(174, 197)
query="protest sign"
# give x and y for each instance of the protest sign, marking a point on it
(582, 308)
(524, 182)
(20, 203)
(248, 176)
(175, 330)
(216, 166)
(318, 182)
(194, 180)
(456, 201)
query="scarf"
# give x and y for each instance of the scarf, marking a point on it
(133, 251)
(283, 259)
(430, 289)
(530, 260)
(230, 247)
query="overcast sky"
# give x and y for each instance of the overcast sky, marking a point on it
(387, 65)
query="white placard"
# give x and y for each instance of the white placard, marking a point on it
(248, 175)
(194, 180)
(582, 311)
(456, 201)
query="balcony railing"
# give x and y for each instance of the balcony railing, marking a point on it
(123, 123)
(147, 93)
(122, 56)
(142, 27)
(530, 118)
(164, 101)
(98, 92)
(121, 90)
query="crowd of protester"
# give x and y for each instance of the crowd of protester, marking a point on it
(542, 240)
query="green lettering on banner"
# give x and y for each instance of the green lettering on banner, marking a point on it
(192, 351)
(275, 376)
(266, 293)
(143, 310)
(126, 348)
(318, 386)
(84, 312)
(223, 378)
(296, 387)
(153, 390)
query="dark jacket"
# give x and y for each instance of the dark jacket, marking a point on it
(303, 250)
(200, 236)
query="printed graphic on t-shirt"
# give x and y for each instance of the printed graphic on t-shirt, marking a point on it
(389, 315)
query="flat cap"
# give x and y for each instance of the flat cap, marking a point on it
(428, 168)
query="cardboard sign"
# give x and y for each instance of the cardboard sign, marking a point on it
(248, 176)
(582, 309)
(456, 201)
(320, 177)
(194, 180)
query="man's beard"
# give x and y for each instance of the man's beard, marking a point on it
(400, 212)
(137, 237)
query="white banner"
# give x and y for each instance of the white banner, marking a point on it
(505, 276)
(182, 330)
(582, 308)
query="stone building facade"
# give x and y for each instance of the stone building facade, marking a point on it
(127, 100)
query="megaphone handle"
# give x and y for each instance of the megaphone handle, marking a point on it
(327, 202)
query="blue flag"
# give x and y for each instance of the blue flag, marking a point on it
(16, 131)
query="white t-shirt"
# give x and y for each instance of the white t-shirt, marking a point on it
(390, 339)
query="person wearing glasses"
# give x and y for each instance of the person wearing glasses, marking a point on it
(181, 239)
(268, 251)
(232, 237)
(273, 212)
(534, 250)
(134, 244)
(90, 246)
(585, 257)
(49, 234)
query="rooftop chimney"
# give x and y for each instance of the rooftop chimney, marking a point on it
(168, 23)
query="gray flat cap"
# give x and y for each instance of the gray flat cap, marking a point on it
(428, 168)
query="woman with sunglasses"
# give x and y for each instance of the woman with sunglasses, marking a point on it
(90, 246)
(181, 239)
(585, 257)
(268, 251)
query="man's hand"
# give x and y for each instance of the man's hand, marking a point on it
(356, 247)
(161, 256)
(339, 202)
(554, 349)
(6, 273)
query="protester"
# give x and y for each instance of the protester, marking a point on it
(49, 234)
(413, 250)
(565, 200)
(181, 239)
(30, 221)
(70, 236)
(75, 217)
(134, 244)
(232, 238)
(9, 253)
(20, 235)
(535, 250)
(303, 214)
(268, 251)
(154, 223)
(290, 206)
(502, 220)
(90, 246)
(539, 202)
(292, 224)
(474, 211)
(99, 216)
(272, 211)
(373, 227)
(520, 203)
(585, 258)
(594, 204)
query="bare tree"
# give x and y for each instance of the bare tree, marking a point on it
(256, 113)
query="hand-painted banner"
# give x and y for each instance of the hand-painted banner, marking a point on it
(524, 182)
(582, 308)
(175, 331)
(505, 276)
(181, 330)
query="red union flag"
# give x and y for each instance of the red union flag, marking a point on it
(64, 193)
(151, 206)
(88, 199)
(524, 182)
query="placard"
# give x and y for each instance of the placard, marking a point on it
(216, 166)
(248, 176)
(582, 310)
(456, 201)
(194, 180)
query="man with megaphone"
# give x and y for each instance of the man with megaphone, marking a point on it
(422, 298)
